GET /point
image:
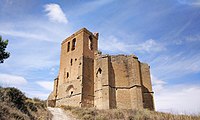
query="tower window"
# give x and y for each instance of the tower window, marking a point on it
(90, 43)
(73, 44)
(70, 90)
(68, 46)
(71, 62)
(99, 71)
(67, 75)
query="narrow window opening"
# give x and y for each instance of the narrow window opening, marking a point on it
(75, 59)
(71, 61)
(90, 43)
(72, 92)
(73, 44)
(99, 71)
(67, 75)
(68, 46)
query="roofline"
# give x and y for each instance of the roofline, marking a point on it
(78, 32)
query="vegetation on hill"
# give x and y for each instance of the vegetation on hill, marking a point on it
(14, 105)
(124, 114)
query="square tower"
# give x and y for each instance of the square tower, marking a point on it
(76, 80)
(89, 79)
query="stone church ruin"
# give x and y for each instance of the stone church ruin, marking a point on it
(89, 79)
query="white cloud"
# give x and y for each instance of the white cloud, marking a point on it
(55, 13)
(12, 80)
(150, 46)
(113, 44)
(157, 84)
(54, 71)
(180, 99)
(37, 94)
(48, 85)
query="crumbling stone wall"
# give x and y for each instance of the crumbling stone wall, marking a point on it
(89, 79)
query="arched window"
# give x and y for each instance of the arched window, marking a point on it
(70, 90)
(99, 71)
(73, 44)
(90, 42)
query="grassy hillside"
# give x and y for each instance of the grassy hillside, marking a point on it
(14, 105)
(119, 114)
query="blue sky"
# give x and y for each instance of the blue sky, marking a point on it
(163, 33)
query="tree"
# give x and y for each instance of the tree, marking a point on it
(3, 54)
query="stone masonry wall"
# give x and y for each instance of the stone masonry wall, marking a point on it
(89, 79)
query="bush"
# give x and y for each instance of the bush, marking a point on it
(14, 105)
(118, 114)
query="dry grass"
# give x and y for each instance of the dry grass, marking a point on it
(14, 105)
(124, 114)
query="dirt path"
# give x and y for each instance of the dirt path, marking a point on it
(59, 114)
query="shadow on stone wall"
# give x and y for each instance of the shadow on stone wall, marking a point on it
(113, 103)
(148, 102)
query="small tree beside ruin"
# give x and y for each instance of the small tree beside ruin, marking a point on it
(3, 54)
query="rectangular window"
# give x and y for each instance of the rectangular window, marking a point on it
(73, 44)
(71, 62)
(90, 44)
(68, 46)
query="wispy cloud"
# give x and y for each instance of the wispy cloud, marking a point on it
(25, 34)
(36, 30)
(176, 65)
(48, 85)
(12, 80)
(55, 13)
(150, 46)
(190, 2)
(193, 38)
(113, 44)
(89, 7)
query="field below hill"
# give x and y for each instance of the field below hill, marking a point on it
(124, 114)
(14, 105)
